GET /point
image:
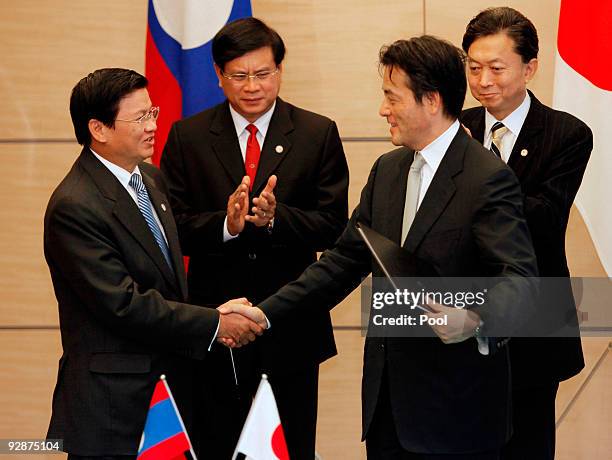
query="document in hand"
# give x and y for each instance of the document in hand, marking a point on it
(398, 265)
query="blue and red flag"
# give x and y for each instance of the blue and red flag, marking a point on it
(164, 436)
(179, 62)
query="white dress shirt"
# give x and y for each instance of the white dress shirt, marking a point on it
(514, 123)
(240, 123)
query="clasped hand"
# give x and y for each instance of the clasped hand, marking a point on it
(264, 206)
(239, 323)
(459, 325)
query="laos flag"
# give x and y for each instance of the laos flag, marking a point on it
(179, 62)
(164, 436)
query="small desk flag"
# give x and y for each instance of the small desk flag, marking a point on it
(262, 436)
(164, 436)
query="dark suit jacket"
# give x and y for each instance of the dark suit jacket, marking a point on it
(203, 166)
(444, 398)
(558, 148)
(122, 319)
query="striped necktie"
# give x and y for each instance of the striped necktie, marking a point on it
(146, 209)
(497, 132)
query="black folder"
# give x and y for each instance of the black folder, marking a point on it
(397, 263)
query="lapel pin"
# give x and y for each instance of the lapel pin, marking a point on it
(279, 149)
(524, 152)
(163, 206)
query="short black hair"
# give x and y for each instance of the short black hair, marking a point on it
(97, 96)
(242, 36)
(432, 65)
(509, 21)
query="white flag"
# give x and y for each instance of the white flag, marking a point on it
(583, 87)
(262, 436)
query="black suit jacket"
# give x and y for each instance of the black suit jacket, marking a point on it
(122, 317)
(558, 147)
(203, 166)
(444, 398)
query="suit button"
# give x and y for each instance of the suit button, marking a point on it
(252, 256)
(382, 345)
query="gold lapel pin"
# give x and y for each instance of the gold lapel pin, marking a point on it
(279, 149)
(163, 206)
(524, 152)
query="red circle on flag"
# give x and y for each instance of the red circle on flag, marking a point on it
(584, 39)
(279, 446)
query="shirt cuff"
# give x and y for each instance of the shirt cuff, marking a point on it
(226, 234)
(215, 335)
(483, 345)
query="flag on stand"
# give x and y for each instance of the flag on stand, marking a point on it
(164, 436)
(583, 87)
(262, 436)
(179, 62)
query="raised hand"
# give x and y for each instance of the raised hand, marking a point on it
(238, 207)
(264, 206)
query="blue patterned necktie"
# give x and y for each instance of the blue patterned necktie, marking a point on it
(144, 204)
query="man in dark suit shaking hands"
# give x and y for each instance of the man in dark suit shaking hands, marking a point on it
(257, 186)
(447, 200)
(548, 150)
(112, 248)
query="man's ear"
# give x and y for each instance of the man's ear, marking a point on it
(530, 69)
(219, 75)
(433, 102)
(98, 130)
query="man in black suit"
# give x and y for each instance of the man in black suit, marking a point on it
(258, 186)
(461, 209)
(112, 248)
(548, 151)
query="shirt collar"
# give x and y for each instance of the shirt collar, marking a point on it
(262, 123)
(514, 121)
(121, 174)
(435, 151)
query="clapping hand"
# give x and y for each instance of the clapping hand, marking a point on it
(264, 207)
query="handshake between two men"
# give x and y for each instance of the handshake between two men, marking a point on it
(240, 322)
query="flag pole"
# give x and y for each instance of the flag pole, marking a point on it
(163, 379)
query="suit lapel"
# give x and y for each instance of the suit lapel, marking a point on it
(477, 126)
(276, 145)
(525, 147)
(162, 208)
(226, 146)
(439, 193)
(126, 211)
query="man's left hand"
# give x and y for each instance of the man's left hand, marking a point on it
(460, 323)
(264, 205)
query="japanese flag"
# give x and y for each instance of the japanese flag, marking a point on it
(583, 87)
(262, 436)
